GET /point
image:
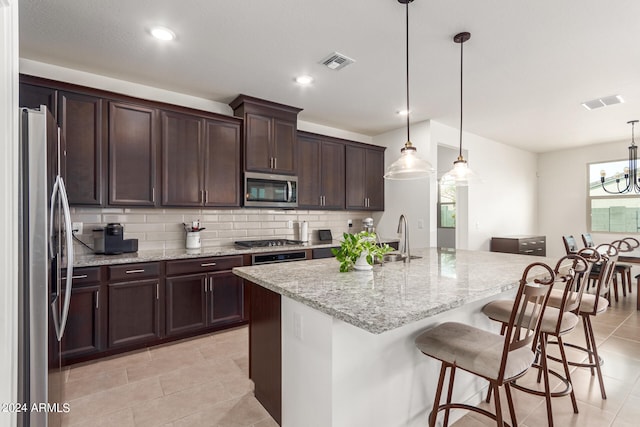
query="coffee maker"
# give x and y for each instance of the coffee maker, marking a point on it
(109, 240)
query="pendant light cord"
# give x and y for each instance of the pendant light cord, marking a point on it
(461, 56)
(407, 58)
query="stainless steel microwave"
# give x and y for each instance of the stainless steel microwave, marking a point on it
(270, 191)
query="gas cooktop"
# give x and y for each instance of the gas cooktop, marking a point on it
(267, 243)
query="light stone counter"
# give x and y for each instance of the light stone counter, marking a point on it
(394, 294)
(89, 260)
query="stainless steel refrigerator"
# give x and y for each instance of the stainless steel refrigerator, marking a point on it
(46, 253)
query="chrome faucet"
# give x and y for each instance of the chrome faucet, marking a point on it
(403, 232)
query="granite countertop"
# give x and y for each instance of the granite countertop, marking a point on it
(91, 260)
(394, 294)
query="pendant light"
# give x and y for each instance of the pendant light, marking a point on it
(409, 165)
(631, 174)
(461, 174)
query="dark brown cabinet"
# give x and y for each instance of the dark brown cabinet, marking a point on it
(200, 161)
(520, 244)
(210, 295)
(134, 304)
(364, 178)
(33, 96)
(84, 329)
(321, 172)
(82, 121)
(269, 135)
(133, 136)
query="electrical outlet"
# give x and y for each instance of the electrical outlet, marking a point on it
(290, 224)
(76, 227)
(349, 223)
(420, 224)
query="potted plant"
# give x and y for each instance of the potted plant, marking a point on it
(359, 250)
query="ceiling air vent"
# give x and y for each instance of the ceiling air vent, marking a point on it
(336, 61)
(602, 102)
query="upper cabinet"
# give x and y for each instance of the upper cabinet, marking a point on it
(83, 121)
(133, 141)
(364, 177)
(321, 172)
(269, 135)
(200, 161)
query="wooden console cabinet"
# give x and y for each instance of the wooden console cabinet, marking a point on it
(521, 244)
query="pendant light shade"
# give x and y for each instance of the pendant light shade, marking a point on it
(461, 174)
(409, 165)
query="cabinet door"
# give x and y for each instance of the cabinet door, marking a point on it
(82, 122)
(309, 173)
(257, 155)
(222, 169)
(374, 181)
(132, 155)
(181, 160)
(333, 181)
(284, 147)
(82, 335)
(186, 303)
(32, 96)
(134, 312)
(355, 172)
(226, 298)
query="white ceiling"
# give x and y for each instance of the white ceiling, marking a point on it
(527, 67)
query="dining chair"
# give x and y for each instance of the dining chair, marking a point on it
(622, 268)
(500, 359)
(572, 275)
(570, 244)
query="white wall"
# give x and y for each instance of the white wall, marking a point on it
(504, 202)
(562, 192)
(9, 205)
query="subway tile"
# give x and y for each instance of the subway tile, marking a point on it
(145, 227)
(246, 225)
(177, 235)
(166, 218)
(123, 218)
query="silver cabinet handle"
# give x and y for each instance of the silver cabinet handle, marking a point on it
(206, 196)
(134, 271)
(81, 276)
(207, 264)
(275, 163)
(97, 299)
(153, 194)
(157, 291)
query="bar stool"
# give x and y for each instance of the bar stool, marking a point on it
(594, 302)
(500, 359)
(572, 271)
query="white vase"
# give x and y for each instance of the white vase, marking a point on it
(362, 264)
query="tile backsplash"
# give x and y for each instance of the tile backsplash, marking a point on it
(163, 229)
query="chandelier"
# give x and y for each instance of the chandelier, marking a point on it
(630, 173)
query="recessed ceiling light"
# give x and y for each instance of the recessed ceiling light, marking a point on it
(163, 33)
(602, 102)
(304, 80)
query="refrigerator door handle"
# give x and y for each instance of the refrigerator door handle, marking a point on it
(52, 205)
(70, 258)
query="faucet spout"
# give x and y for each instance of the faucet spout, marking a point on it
(403, 232)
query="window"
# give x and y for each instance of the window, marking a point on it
(447, 205)
(611, 212)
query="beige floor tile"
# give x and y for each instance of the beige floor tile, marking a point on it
(587, 390)
(630, 411)
(121, 418)
(628, 332)
(620, 367)
(588, 416)
(112, 363)
(89, 384)
(97, 405)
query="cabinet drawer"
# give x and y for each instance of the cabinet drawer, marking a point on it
(134, 271)
(201, 265)
(84, 275)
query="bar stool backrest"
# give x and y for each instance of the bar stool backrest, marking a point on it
(528, 308)
(573, 270)
(633, 242)
(623, 245)
(609, 256)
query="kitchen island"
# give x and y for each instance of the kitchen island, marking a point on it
(342, 343)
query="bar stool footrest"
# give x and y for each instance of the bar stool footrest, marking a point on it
(599, 362)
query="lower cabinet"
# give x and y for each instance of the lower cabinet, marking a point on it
(134, 304)
(209, 295)
(119, 308)
(84, 331)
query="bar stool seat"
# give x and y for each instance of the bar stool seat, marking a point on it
(500, 359)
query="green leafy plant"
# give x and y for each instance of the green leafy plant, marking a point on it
(354, 245)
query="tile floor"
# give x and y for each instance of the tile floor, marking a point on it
(203, 382)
